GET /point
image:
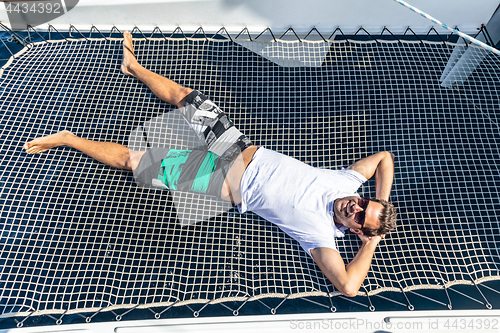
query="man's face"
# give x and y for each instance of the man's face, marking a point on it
(351, 211)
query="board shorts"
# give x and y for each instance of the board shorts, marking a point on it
(200, 170)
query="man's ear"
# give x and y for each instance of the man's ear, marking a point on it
(357, 231)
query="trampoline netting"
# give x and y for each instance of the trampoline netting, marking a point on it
(78, 236)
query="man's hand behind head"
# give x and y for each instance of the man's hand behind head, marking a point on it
(368, 239)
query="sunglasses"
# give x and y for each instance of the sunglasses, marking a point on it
(360, 216)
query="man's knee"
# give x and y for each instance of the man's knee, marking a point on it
(134, 158)
(182, 94)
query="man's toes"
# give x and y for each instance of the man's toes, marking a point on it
(27, 146)
(32, 150)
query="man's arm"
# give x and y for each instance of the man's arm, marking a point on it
(382, 166)
(347, 279)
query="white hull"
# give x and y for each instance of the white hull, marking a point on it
(279, 15)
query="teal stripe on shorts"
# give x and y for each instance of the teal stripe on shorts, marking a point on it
(205, 172)
(171, 167)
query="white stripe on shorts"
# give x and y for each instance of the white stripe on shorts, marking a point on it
(225, 141)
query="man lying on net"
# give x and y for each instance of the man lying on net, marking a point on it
(311, 205)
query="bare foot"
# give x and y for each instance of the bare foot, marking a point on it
(39, 145)
(128, 54)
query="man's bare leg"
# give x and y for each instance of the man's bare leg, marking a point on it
(109, 153)
(165, 89)
(175, 94)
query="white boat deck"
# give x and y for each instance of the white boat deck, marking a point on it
(279, 15)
